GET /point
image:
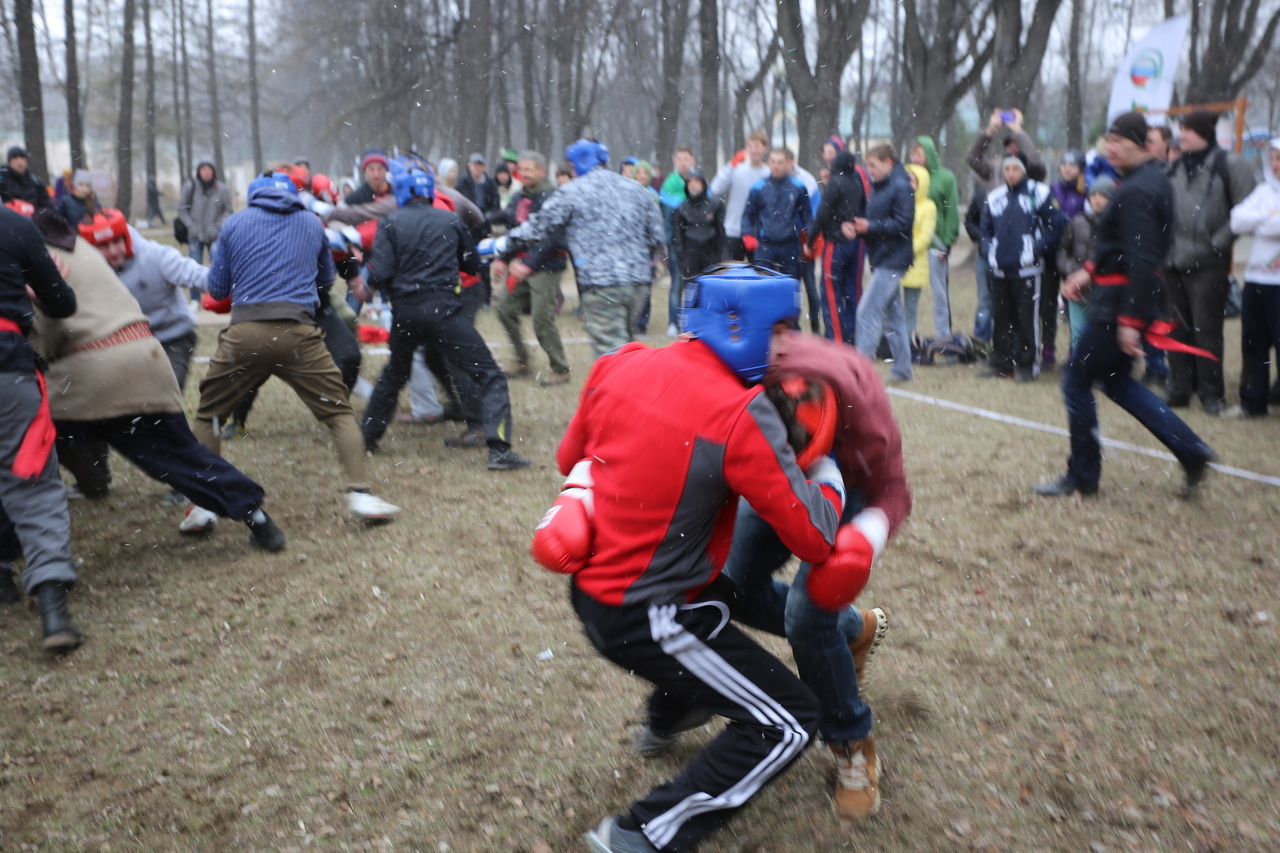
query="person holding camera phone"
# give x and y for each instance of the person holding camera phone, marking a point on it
(1003, 137)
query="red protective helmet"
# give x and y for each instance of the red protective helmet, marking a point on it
(300, 175)
(107, 225)
(809, 410)
(323, 188)
(17, 205)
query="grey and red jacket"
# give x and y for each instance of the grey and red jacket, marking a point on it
(867, 445)
(675, 439)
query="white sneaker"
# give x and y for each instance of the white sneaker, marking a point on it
(197, 522)
(672, 331)
(367, 507)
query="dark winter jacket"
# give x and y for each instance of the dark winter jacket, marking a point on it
(420, 250)
(25, 260)
(697, 230)
(844, 198)
(27, 187)
(973, 216)
(273, 259)
(1079, 242)
(891, 211)
(549, 255)
(484, 194)
(1021, 226)
(1134, 236)
(1205, 188)
(204, 207)
(75, 210)
(777, 211)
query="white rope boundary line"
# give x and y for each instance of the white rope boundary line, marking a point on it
(1108, 442)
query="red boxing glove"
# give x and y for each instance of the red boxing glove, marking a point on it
(512, 281)
(562, 539)
(217, 306)
(837, 581)
(750, 243)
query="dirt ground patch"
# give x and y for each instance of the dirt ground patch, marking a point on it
(1075, 675)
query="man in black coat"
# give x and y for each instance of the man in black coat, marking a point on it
(844, 199)
(16, 180)
(1125, 297)
(480, 188)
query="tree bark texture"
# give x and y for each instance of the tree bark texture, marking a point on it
(30, 95)
(709, 72)
(124, 120)
(215, 106)
(254, 122)
(1229, 58)
(75, 120)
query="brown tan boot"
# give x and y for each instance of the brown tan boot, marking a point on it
(875, 624)
(857, 792)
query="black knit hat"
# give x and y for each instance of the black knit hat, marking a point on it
(1203, 123)
(1131, 126)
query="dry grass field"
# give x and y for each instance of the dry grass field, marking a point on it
(1071, 675)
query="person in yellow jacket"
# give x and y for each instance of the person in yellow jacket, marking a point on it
(926, 222)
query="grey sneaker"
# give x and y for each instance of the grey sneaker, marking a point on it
(649, 744)
(506, 460)
(609, 837)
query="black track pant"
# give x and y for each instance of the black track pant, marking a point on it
(1015, 317)
(163, 446)
(439, 320)
(696, 658)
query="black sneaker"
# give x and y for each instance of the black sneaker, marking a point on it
(649, 744)
(263, 532)
(1197, 470)
(470, 439)
(506, 460)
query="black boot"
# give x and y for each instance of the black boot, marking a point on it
(9, 592)
(60, 634)
(263, 532)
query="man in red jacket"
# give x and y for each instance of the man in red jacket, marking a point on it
(674, 436)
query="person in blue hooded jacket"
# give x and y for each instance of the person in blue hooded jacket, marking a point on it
(273, 260)
(887, 228)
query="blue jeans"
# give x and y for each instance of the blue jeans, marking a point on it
(819, 639)
(880, 311)
(982, 323)
(1097, 358)
(195, 250)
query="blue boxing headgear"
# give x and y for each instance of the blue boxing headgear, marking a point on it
(279, 180)
(733, 308)
(585, 155)
(412, 184)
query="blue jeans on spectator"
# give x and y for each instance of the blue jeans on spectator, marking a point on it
(880, 312)
(819, 639)
(982, 324)
(196, 249)
(1098, 359)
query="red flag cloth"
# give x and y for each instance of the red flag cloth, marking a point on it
(1157, 334)
(372, 334)
(37, 444)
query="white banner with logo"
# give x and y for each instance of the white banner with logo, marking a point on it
(1144, 81)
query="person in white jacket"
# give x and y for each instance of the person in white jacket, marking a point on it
(1259, 215)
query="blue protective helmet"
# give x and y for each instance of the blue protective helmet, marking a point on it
(733, 308)
(585, 155)
(415, 183)
(271, 179)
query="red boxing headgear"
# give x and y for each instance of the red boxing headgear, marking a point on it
(809, 412)
(300, 175)
(107, 225)
(322, 188)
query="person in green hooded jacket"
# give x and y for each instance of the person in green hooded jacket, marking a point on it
(945, 196)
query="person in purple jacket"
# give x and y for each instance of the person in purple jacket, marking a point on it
(1068, 192)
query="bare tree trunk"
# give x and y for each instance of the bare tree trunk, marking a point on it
(474, 69)
(932, 59)
(188, 129)
(255, 127)
(75, 121)
(673, 20)
(215, 106)
(153, 191)
(525, 44)
(183, 165)
(748, 88)
(30, 94)
(1075, 106)
(124, 124)
(1231, 58)
(709, 66)
(1018, 56)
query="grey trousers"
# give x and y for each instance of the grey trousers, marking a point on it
(880, 311)
(34, 521)
(940, 288)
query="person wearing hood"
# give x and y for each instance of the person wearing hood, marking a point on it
(17, 181)
(697, 232)
(532, 278)
(1078, 243)
(887, 228)
(1207, 183)
(80, 203)
(1021, 226)
(273, 261)
(844, 199)
(923, 228)
(205, 203)
(945, 196)
(1259, 215)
